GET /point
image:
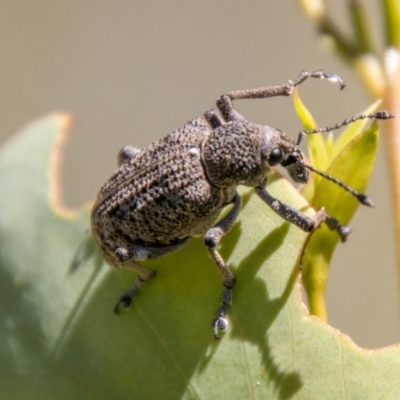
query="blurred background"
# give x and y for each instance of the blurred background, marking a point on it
(132, 71)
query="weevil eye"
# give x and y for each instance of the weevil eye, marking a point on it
(275, 157)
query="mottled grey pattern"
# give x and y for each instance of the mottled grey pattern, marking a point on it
(160, 196)
(233, 153)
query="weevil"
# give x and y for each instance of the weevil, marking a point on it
(176, 188)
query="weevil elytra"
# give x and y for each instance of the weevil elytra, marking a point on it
(176, 188)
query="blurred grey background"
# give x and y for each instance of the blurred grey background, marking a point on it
(132, 71)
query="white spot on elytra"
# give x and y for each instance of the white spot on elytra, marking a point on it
(194, 152)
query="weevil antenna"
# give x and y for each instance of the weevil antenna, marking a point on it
(378, 115)
(362, 198)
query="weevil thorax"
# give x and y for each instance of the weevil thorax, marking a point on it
(231, 154)
(241, 152)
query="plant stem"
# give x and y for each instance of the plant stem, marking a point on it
(392, 141)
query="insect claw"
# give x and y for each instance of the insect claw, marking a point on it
(336, 78)
(125, 301)
(220, 323)
(343, 231)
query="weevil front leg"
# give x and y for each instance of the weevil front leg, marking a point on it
(224, 103)
(294, 216)
(211, 239)
(129, 257)
(212, 118)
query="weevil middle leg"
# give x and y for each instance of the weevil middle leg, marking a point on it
(211, 239)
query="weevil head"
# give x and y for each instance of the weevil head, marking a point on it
(279, 148)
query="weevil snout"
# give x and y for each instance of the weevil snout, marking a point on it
(279, 148)
(294, 165)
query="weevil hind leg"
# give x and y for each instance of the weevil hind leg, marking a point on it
(129, 257)
(144, 275)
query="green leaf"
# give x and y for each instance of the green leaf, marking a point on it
(316, 143)
(353, 166)
(317, 148)
(60, 339)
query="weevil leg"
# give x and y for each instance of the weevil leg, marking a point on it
(127, 153)
(224, 103)
(144, 275)
(129, 258)
(212, 118)
(334, 225)
(220, 322)
(294, 216)
(319, 75)
(211, 239)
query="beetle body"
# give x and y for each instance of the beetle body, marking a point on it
(161, 196)
(177, 187)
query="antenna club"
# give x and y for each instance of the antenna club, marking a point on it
(367, 201)
(362, 198)
(383, 115)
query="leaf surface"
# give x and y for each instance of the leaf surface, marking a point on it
(61, 340)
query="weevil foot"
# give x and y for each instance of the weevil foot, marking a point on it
(343, 230)
(333, 224)
(125, 301)
(220, 322)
